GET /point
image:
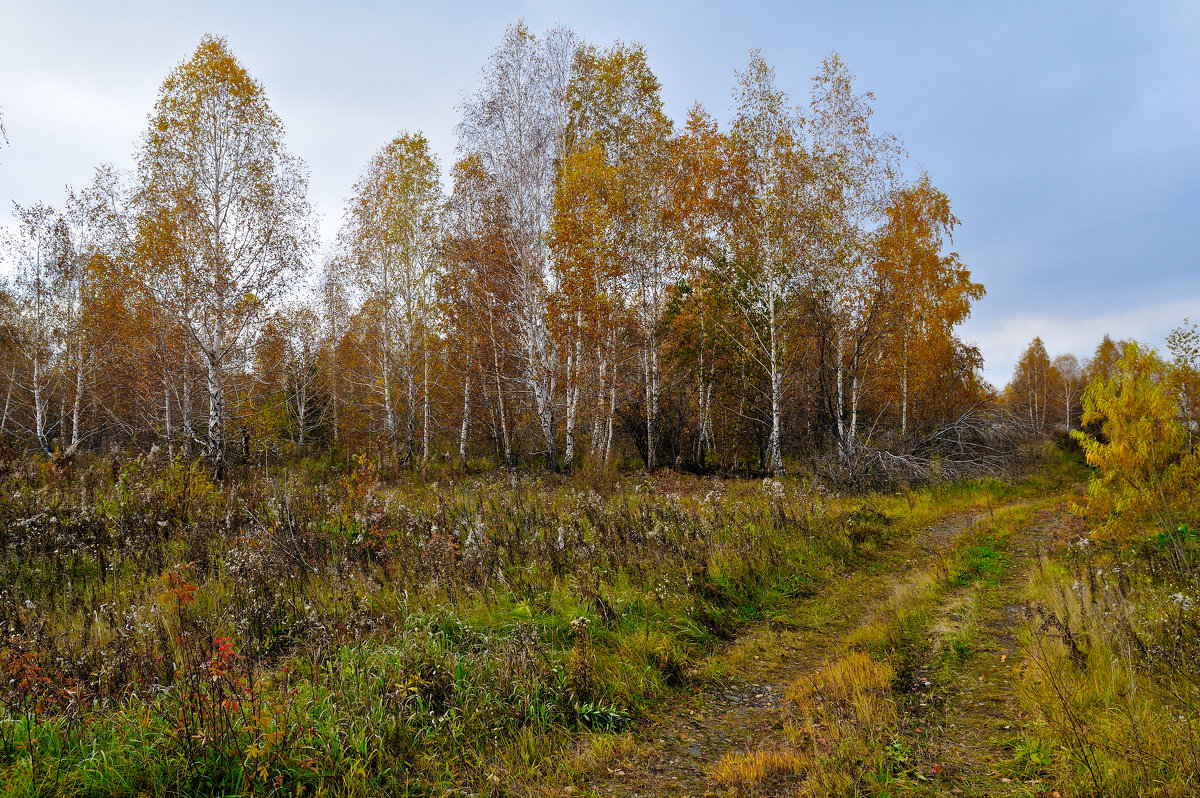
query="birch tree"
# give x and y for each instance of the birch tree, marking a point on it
(515, 125)
(224, 205)
(1030, 386)
(390, 238)
(288, 366)
(929, 291)
(95, 242)
(766, 208)
(855, 170)
(1067, 377)
(475, 291)
(38, 254)
(612, 229)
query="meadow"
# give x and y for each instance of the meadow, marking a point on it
(336, 629)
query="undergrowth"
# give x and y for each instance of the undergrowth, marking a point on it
(329, 630)
(340, 630)
(1113, 683)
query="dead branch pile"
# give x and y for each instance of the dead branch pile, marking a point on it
(986, 440)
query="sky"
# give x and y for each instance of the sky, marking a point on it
(1064, 133)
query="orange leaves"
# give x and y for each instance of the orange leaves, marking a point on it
(177, 591)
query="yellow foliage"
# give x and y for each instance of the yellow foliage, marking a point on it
(1146, 468)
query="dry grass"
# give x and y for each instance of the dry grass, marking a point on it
(749, 772)
(838, 720)
(1113, 680)
(851, 695)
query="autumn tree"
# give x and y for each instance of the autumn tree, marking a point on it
(95, 244)
(331, 305)
(515, 125)
(475, 291)
(390, 240)
(613, 229)
(37, 323)
(223, 214)
(1147, 469)
(929, 291)
(855, 173)
(288, 369)
(587, 270)
(1104, 360)
(768, 203)
(1030, 385)
(703, 337)
(1066, 384)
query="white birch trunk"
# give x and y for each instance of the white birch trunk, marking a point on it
(776, 449)
(500, 400)
(853, 430)
(841, 423)
(596, 448)
(574, 368)
(389, 413)
(40, 406)
(611, 412)
(167, 430)
(77, 408)
(185, 405)
(425, 406)
(466, 413)
(904, 386)
(216, 412)
(410, 415)
(8, 400)
(540, 380)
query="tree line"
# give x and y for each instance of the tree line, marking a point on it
(600, 285)
(1049, 394)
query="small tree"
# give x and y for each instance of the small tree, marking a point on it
(1146, 471)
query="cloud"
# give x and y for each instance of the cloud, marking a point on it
(37, 106)
(1003, 341)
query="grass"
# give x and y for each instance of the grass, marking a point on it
(335, 631)
(1111, 687)
(325, 631)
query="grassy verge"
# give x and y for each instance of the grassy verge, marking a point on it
(325, 632)
(1112, 690)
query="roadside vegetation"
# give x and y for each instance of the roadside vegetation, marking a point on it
(1113, 686)
(646, 417)
(330, 631)
(327, 630)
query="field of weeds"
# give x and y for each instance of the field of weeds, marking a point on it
(337, 630)
(330, 631)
